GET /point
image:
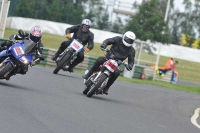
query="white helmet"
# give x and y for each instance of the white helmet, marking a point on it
(128, 38)
(86, 23)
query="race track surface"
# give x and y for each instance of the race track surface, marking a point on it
(42, 102)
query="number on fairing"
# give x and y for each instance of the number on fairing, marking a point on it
(18, 50)
(111, 65)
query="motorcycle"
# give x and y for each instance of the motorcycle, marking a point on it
(64, 60)
(17, 58)
(96, 83)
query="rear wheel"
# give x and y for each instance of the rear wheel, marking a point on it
(60, 64)
(5, 69)
(97, 85)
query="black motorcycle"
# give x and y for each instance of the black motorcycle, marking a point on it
(64, 60)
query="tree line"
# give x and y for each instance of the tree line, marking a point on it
(147, 23)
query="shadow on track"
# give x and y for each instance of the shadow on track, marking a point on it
(104, 98)
(14, 86)
(69, 76)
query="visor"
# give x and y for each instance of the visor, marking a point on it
(128, 40)
(35, 38)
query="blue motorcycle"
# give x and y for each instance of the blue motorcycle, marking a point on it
(16, 59)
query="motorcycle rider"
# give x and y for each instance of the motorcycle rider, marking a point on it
(121, 49)
(27, 36)
(82, 34)
(35, 36)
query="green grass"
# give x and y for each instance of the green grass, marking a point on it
(187, 88)
(187, 70)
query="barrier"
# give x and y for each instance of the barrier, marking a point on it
(3, 39)
(148, 72)
(48, 53)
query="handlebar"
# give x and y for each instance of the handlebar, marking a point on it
(106, 50)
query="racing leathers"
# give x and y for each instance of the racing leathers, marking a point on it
(83, 37)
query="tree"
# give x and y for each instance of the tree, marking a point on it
(22, 8)
(97, 13)
(186, 22)
(118, 26)
(174, 24)
(149, 23)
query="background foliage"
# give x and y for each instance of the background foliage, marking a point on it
(148, 22)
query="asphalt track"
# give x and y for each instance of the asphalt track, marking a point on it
(41, 102)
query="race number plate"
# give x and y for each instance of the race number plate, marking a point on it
(76, 45)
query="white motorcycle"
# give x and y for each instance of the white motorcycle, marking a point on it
(99, 79)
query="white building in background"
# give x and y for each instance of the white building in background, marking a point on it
(119, 8)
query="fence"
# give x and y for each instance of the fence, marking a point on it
(48, 53)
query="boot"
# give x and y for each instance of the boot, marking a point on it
(105, 90)
(71, 68)
(55, 56)
(86, 76)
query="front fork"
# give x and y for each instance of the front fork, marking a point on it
(5, 61)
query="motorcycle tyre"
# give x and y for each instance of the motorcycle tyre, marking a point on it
(86, 91)
(60, 64)
(5, 68)
(89, 86)
(98, 84)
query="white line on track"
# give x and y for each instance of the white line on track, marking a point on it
(195, 116)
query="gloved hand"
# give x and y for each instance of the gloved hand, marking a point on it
(32, 63)
(35, 62)
(103, 46)
(87, 50)
(68, 36)
(128, 67)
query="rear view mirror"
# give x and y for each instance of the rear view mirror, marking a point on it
(21, 33)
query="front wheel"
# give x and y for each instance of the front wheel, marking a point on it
(102, 78)
(86, 90)
(5, 69)
(60, 64)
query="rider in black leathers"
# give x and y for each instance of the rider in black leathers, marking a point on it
(121, 49)
(83, 35)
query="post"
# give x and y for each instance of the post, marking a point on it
(167, 10)
(3, 15)
(138, 61)
(157, 60)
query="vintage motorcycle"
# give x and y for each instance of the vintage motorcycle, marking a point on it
(17, 58)
(99, 79)
(64, 60)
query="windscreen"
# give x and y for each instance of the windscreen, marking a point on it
(29, 46)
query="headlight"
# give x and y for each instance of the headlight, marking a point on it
(24, 60)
